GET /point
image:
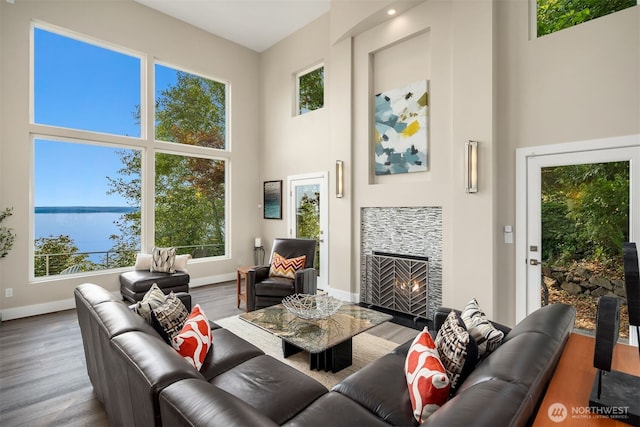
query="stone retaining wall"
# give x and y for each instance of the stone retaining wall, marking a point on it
(581, 281)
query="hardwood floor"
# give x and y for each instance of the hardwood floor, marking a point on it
(43, 376)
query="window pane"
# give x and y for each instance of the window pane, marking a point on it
(556, 15)
(189, 109)
(311, 91)
(82, 86)
(87, 207)
(190, 204)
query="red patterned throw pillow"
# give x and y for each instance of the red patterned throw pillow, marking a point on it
(283, 267)
(426, 377)
(195, 339)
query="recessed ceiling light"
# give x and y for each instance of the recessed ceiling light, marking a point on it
(391, 12)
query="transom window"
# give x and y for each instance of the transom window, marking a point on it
(556, 15)
(310, 90)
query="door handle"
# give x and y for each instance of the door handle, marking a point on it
(534, 262)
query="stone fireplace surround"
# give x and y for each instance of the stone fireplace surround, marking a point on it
(414, 231)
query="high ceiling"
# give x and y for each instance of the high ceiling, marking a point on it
(256, 24)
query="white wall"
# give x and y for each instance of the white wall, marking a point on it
(292, 144)
(577, 84)
(449, 44)
(457, 39)
(156, 35)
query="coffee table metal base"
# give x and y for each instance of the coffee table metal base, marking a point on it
(332, 359)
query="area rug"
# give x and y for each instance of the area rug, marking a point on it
(366, 349)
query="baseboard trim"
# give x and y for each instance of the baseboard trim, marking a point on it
(342, 295)
(68, 304)
(219, 278)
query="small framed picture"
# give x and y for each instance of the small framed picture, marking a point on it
(272, 191)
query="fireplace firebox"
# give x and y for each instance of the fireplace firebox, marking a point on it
(397, 282)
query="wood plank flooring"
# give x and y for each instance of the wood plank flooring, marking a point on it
(43, 376)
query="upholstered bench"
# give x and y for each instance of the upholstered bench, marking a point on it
(135, 284)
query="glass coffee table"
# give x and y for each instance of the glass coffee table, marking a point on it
(328, 341)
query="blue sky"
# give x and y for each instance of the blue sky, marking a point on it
(83, 86)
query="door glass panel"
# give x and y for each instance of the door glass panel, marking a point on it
(308, 215)
(585, 220)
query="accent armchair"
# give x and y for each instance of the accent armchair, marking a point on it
(264, 290)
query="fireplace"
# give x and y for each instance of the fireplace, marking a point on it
(403, 246)
(398, 282)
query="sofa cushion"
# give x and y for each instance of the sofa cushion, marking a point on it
(143, 262)
(154, 298)
(382, 389)
(286, 267)
(335, 410)
(271, 387)
(487, 337)
(194, 339)
(426, 377)
(192, 402)
(275, 287)
(229, 351)
(169, 318)
(163, 260)
(457, 349)
(490, 404)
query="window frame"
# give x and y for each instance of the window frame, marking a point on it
(297, 77)
(146, 143)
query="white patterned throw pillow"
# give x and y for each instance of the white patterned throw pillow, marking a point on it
(163, 260)
(487, 337)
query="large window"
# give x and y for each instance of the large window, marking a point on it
(556, 15)
(79, 220)
(83, 86)
(91, 148)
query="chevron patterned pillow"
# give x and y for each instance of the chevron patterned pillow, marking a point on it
(283, 267)
(487, 337)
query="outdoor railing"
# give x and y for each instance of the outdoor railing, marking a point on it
(107, 262)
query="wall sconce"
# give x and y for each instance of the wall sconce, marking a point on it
(339, 179)
(471, 166)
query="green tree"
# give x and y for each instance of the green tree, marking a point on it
(308, 222)
(189, 190)
(128, 184)
(555, 15)
(585, 213)
(59, 253)
(311, 91)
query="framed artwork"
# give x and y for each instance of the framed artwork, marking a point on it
(401, 129)
(272, 192)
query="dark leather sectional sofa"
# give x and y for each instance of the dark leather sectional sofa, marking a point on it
(142, 381)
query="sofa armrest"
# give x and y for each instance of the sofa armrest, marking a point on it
(306, 281)
(255, 275)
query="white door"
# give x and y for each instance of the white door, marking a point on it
(530, 166)
(308, 216)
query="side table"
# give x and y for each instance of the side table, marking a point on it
(241, 273)
(567, 397)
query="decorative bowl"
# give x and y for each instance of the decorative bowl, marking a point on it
(312, 307)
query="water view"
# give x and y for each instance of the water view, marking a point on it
(88, 226)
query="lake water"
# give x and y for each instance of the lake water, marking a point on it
(90, 231)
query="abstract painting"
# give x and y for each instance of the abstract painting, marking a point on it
(272, 192)
(401, 129)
